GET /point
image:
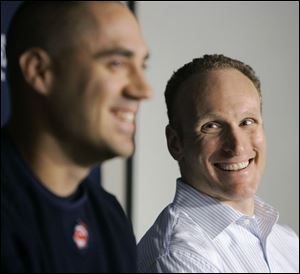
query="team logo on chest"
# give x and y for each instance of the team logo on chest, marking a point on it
(81, 235)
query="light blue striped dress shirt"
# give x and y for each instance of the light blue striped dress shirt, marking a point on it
(198, 234)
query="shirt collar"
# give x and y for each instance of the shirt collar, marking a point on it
(266, 217)
(213, 216)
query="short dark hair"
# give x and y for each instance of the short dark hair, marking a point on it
(49, 25)
(199, 65)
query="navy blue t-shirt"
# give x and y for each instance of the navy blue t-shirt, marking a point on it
(41, 232)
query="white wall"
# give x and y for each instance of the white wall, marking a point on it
(113, 179)
(263, 34)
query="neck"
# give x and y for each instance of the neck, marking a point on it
(47, 159)
(243, 204)
(246, 206)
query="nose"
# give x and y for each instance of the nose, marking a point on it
(234, 142)
(138, 86)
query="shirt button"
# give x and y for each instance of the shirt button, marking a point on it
(246, 222)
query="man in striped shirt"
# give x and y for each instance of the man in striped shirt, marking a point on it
(216, 222)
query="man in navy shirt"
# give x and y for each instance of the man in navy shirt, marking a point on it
(76, 76)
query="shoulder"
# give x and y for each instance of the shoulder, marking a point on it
(284, 237)
(178, 260)
(170, 242)
(157, 239)
(17, 221)
(97, 195)
(108, 211)
(14, 187)
(284, 240)
(283, 244)
(159, 235)
(283, 230)
(173, 227)
(114, 226)
(6, 155)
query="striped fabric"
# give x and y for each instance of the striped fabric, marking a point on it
(198, 234)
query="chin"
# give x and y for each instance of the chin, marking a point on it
(125, 154)
(241, 194)
(124, 151)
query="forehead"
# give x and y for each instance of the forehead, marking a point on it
(115, 26)
(219, 91)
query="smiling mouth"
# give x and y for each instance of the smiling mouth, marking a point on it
(125, 116)
(233, 167)
(125, 120)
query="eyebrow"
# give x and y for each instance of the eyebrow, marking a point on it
(208, 116)
(117, 51)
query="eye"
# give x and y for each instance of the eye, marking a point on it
(248, 122)
(116, 64)
(211, 127)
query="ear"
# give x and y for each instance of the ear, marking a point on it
(35, 65)
(174, 142)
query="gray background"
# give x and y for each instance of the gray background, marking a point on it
(263, 34)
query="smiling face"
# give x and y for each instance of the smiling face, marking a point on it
(221, 150)
(97, 86)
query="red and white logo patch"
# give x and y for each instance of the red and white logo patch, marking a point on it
(81, 235)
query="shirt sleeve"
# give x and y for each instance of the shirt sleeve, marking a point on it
(180, 262)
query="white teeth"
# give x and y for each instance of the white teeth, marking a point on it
(233, 167)
(125, 116)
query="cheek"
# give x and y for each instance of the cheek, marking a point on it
(113, 84)
(103, 93)
(107, 81)
(205, 149)
(211, 147)
(97, 92)
(259, 145)
(259, 141)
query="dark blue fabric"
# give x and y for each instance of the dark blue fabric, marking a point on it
(37, 227)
